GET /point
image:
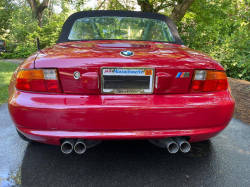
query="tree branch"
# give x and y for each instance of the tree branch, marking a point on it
(100, 5)
(146, 6)
(38, 8)
(33, 4)
(43, 6)
(180, 9)
(162, 6)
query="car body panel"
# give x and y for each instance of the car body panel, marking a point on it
(91, 56)
(86, 54)
(118, 113)
(54, 136)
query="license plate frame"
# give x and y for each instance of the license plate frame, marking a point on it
(128, 71)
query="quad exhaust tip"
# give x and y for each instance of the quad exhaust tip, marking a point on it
(183, 144)
(80, 146)
(171, 145)
(176, 143)
(67, 146)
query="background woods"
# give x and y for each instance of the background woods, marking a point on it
(220, 28)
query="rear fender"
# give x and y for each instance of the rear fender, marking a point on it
(29, 63)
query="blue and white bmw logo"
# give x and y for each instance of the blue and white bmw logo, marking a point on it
(127, 53)
(76, 75)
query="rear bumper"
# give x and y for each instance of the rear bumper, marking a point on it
(49, 118)
(54, 136)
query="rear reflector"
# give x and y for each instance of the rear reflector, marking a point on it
(38, 80)
(208, 81)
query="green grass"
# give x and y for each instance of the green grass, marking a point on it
(6, 71)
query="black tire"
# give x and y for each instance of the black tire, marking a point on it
(24, 137)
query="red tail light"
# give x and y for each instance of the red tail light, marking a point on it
(38, 80)
(208, 81)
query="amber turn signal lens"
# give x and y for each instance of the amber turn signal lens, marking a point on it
(216, 75)
(38, 80)
(30, 74)
(212, 81)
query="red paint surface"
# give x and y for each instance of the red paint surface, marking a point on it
(163, 81)
(118, 113)
(86, 57)
(90, 81)
(81, 111)
(54, 136)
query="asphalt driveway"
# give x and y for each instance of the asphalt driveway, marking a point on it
(222, 161)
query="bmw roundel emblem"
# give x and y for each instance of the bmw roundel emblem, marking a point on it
(127, 53)
(76, 75)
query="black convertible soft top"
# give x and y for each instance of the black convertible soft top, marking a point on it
(98, 13)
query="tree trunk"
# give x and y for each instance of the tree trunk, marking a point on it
(180, 9)
(38, 8)
(40, 20)
(178, 12)
(146, 6)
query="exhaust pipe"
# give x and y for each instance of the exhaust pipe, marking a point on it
(67, 146)
(80, 146)
(171, 145)
(183, 144)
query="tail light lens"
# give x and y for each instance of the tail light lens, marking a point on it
(208, 81)
(38, 80)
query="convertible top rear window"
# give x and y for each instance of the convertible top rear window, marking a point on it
(120, 28)
(69, 30)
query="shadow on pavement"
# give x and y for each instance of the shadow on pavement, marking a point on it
(117, 163)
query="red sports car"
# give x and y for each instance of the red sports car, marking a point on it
(116, 75)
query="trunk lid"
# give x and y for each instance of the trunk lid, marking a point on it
(172, 64)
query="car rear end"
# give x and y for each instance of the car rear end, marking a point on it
(103, 99)
(117, 78)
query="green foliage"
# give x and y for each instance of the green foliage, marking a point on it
(21, 40)
(6, 8)
(221, 29)
(6, 71)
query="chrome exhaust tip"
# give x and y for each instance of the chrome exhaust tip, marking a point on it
(171, 145)
(183, 144)
(67, 146)
(80, 146)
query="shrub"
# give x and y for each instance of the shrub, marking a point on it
(222, 31)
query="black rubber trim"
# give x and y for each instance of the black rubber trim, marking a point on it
(23, 137)
(98, 13)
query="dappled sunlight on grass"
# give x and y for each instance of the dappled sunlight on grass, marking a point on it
(6, 71)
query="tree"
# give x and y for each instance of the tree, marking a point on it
(38, 8)
(6, 9)
(154, 6)
(179, 7)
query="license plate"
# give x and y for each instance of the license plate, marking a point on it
(127, 80)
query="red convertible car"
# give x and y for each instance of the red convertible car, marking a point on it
(119, 75)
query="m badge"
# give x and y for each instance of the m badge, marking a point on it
(182, 75)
